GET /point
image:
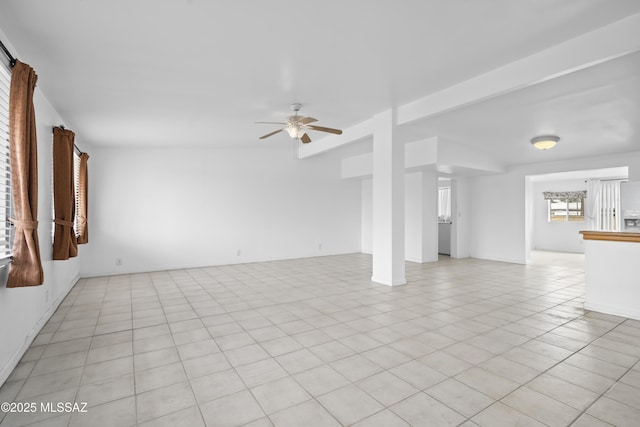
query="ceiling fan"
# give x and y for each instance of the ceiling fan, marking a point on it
(298, 126)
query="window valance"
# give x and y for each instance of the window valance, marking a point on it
(564, 195)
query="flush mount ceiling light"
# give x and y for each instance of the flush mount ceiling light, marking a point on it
(545, 142)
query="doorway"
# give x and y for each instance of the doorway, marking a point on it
(444, 216)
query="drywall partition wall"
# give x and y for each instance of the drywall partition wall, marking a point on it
(413, 216)
(160, 208)
(24, 311)
(498, 217)
(555, 236)
(421, 216)
(366, 222)
(528, 217)
(421, 212)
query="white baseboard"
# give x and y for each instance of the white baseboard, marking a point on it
(395, 281)
(631, 313)
(17, 355)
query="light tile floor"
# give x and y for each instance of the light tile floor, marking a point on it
(312, 342)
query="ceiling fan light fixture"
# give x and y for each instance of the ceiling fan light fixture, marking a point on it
(545, 142)
(295, 132)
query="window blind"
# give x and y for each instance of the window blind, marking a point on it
(6, 229)
(76, 191)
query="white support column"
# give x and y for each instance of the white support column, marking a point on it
(460, 217)
(388, 202)
(429, 216)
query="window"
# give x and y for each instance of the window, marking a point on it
(76, 189)
(444, 204)
(76, 192)
(565, 206)
(566, 210)
(6, 229)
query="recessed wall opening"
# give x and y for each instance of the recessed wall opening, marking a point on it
(560, 205)
(444, 216)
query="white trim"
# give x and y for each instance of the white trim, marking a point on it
(394, 282)
(630, 312)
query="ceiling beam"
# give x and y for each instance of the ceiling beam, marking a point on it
(430, 154)
(357, 132)
(603, 44)
(598, 46)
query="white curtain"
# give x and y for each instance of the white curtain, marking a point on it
(592, 208)
(603, 205)
(610, 215)
(444, 204)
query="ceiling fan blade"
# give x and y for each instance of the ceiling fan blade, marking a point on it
(307, 120)
(305, 139)
(272, 133)
(271, 123)
(323, 129)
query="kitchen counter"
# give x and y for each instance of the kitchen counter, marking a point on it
(612, 267)
(612, 236)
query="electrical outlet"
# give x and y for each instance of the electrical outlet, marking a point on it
(118, 261)
(46, 295)
(238, 252)
(319, 246)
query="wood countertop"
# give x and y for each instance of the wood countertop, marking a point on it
(612, 236)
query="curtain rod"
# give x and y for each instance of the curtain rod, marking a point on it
(12, 63)
(75, 147)
(11, 58)
(611, 179)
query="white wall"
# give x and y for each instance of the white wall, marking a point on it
(162, 208)
(528, 217)
(498, 223)
(413, 216)
(497, 217)
(555, 236)
(421, 216)
(366, 221)
(24, 311)
(421, 211)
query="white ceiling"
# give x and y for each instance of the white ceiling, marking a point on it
(199, 72)
(606, 173)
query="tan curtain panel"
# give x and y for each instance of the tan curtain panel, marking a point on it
(26, 269)
(83, 201)
(65, 245)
